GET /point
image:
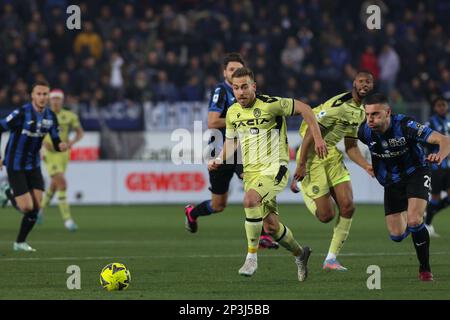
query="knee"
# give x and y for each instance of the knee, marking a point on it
(26, 208)
(414, 221)
(251, 202)
(347, 210)
(326, 216)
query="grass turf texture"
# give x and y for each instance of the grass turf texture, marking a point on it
(167, 262)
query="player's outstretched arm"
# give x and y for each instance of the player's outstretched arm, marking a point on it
(306, 112)
(215, 121)
(353, 152)
(305, 149)
(228, 150)
(444, 147)
(79, 134)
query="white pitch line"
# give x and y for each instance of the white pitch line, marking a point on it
(197, 256)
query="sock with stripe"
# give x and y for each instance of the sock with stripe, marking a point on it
(421, 241)
(286, 239)
(28, 222)
(253, 227)
(48, 196)
(340, 234)
(63, 205)
(203, 209)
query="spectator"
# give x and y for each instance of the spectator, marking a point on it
(292, 55)
(389, 63)
(88, 40)
(165, 90)
(369, 62)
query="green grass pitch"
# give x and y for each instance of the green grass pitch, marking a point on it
(166, 262)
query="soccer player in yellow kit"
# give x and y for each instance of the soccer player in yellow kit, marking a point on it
(56, 162)
(322, 179)
(258, 123)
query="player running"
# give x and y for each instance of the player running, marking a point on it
(56, 162)
(325, 179)
(440, 173)
(258, 122)
(400, 166)
(221, 99)
(28, 126)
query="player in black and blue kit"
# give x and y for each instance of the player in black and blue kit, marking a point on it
(221, 99)
(28, 126)
(400, 165)
(440, 174)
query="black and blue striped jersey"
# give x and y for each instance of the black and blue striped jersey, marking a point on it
(28, 128)
(221, 99)
(398, 152)
(441, 125)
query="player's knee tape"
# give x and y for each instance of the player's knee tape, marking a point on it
(416, 228)
(400, 237)
(255, 214)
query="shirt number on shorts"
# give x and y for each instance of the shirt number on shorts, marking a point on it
(427, 183)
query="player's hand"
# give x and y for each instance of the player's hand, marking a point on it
(435, 158)
(294, 186)
(321, 148)
(300, 172)
(62, 146)
(369, 170)
(214, 164)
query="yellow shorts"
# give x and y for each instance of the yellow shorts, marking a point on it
(56, 162)
(323, 175)
(268, 186)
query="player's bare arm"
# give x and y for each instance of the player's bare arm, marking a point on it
(307, 143)
(215, 121)
(305, 111)
(444, 147)
(353, 152)
(79, 133)
(230, 144)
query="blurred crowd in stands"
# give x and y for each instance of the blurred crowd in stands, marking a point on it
(172, 50)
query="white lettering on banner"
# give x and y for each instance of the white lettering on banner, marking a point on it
(116, 111)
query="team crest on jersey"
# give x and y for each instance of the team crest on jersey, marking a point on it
(284, 103)
(384, 144)
(46, 123)
(315, 189)
(257, 113)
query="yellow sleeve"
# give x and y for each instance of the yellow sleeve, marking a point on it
(75, 121)
(281, 106)
(327, 117)
(230, 131)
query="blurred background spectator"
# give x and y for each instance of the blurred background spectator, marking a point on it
(169, 51)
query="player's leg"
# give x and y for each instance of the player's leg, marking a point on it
(253, 225)
(27, 206)
(63, 205)
(435, 204)
(420, 236)
(49, 193)
(284, 236)
(417, 192)
(220, 183)
(343, 196)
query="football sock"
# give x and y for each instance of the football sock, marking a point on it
(203, 209)
(28, 221)
(421, 241)
(433, 207)
(48, 196)
(286, 239)
(64, 207)
(340, 234)
(253, 227)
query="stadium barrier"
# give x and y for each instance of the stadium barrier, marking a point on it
(138, 182)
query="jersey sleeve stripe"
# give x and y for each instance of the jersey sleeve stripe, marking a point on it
(293, 107)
